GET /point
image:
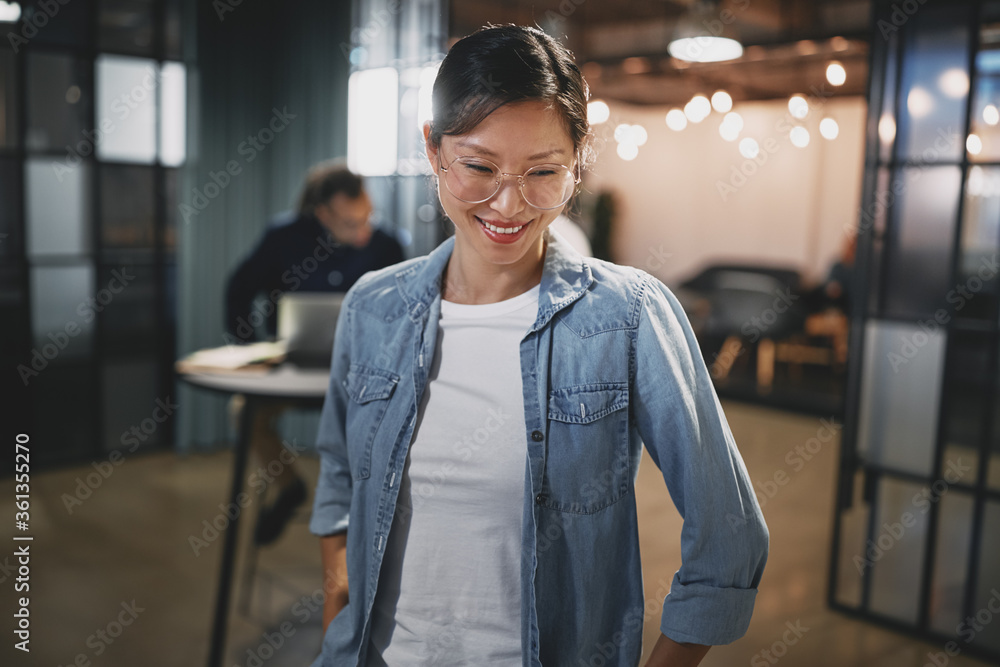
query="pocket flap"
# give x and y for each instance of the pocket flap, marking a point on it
(583, 404)
(365, 384)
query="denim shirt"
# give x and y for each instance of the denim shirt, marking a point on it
(610, 363)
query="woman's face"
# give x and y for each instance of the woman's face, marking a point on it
(515, 137)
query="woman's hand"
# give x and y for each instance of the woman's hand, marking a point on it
(334, 555)
(668, 653)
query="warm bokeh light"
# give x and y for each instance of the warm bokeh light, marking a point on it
(722, 101)
(676, 120)
(798, 106)
(886, 128)
(638, 135)
(974, 144)
(598, 112)
(836, 74)
(623, 133)
(799, 137)
(627, 151)
(954, 83)
(829, 129)
(991, 115)
(733, 118)
(919, 102)
(698, 109)
(749, 148)
(732, 125)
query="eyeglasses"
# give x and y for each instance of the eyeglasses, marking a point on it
(475, 180)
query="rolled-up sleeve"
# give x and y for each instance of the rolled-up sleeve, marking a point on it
(332, 502)
(724, 540)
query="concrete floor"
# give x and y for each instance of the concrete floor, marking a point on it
(115, 580)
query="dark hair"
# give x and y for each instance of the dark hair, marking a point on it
(323, 181)
(497, 65)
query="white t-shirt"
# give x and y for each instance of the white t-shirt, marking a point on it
(449, 592)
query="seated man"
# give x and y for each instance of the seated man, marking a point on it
(324, 247)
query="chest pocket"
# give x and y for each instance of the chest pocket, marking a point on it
(587, 464)
(369, 389)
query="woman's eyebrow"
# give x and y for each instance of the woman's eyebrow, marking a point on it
(488, 153)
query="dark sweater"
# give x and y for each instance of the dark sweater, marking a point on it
(297, 254)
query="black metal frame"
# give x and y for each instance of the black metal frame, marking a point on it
(850, 461)
(100, 443)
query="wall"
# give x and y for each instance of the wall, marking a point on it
(683, 202)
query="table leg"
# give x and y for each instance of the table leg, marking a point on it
(216, 655)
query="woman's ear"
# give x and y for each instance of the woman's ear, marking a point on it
(429, 147)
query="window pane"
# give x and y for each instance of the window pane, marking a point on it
(130, 406)
(900, 391)
(985, 120)
(898, 552)
(171, 179)
(129, 317)
(918, 266)
(126, 106)
(127, 26)
(935, 84)
(853, 534)
(127, 205)
(967, 385)
(976, 291)
(8, 99)
(66, 22)
(58, 89)
(62, 311)
(951, 562)
(173, 114)
(988, 581)
(58, 208)
(172, 29)
(10, 207)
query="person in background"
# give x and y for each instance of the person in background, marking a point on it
(324, 246)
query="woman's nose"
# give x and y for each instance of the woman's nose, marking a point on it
(508, 202)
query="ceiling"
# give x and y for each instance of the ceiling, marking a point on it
(622, 45)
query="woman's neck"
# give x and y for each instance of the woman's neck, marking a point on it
(468, 280)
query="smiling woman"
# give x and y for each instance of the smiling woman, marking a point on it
(488, 405)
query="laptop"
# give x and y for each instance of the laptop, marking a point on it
(306, 322)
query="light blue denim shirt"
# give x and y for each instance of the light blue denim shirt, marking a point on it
(609, 364)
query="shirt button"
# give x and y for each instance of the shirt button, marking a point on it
(537, 436)
(540, 498)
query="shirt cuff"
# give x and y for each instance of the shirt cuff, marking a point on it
(701, 614)
(328, 524)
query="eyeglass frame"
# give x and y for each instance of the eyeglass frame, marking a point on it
(577, 179)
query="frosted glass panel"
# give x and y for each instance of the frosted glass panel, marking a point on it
(935, 85)
(978, 269)
(62, 311)
(58, 205)
(8, 100)
(988, 581)
(951, 562)
(58, 91)
(918, 263)
(126, 108)
(900, 533)
(900, 390)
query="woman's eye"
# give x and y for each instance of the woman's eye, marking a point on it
(478, 169)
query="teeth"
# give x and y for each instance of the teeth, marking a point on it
(501, 230)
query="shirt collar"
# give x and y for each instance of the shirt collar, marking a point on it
(565, 276)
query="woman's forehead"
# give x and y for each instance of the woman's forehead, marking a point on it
(530, 130)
